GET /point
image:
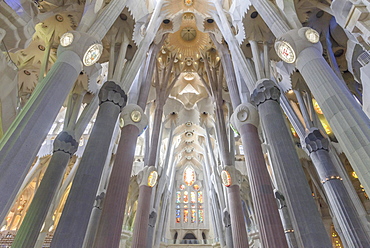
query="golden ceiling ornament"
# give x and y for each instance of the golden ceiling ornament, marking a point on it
(188, 2)
(188, 40)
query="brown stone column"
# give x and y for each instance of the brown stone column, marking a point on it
(245, 118)
(111, 220)
(239, 232)
(142, 216)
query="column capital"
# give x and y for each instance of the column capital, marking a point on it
(265, 90)
(80, 43)
(231, 176)
(112, 92)
(289, 45)
(315, 141)
(148, 176)
(245, 113)
(133, 114)
(66, 143)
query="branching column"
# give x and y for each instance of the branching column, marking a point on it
(75, 217)
(287, 167)
(64, 147)
(245, 119)
(340, 202)
(110, 226)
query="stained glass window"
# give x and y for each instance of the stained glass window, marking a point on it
(193, 216)
(186, 197)
(178, 197)
(201, 215)
(186, 213)
(189, 176)
(192, 197)
(182, 186)
(196, 187)
(178, 215)
(200, 197)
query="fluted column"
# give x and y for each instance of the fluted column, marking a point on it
(139, 236)
(245, 119)
(31, 126)
(340, 202)
(111, 220)
(286, 165)
(75, 217)
(345, 116)
(239, 232)
(64, 147)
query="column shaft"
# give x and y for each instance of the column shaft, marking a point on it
(345, 116)
(264, 202)
(76, 214)
(142, 217)
(64, 146)
(354, 232)
(110, 227)
(286, 165)
(239, 233)
(31, 126)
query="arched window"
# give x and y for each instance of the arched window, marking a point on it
(189, 199)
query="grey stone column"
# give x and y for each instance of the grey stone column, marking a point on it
(345, 116)
(245, 119)
(286, 165)
(31, 126)
(339, 201)
(75, 217)
(64, 147)
(111, 220)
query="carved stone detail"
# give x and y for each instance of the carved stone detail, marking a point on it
(243, 114)
(315, 141)
(66, 143)
(127, 120)
(112, 92)
(266, 90)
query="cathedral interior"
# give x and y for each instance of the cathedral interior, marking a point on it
(181, 123)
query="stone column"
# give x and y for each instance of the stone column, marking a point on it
(339, 200)
(75, 217)
(31, 126)
(111, 220)
(239, 232)
(139, 236)
(345, 116)
(286, 165)
(245, 119)
(64, 147)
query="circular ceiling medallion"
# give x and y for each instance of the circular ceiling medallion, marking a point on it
(135, 116)
(189, 76)
(242, 115)
(66, 39)
(312, 35)
(92, 54)
(285, 51)
(152, 178)
(41, 47)
(226, 178)
(188, 33)
(59, 18)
